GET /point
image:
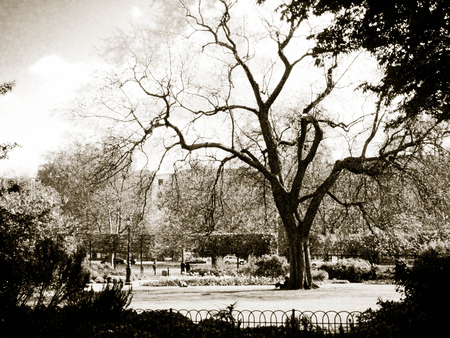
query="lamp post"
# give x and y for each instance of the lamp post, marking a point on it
(128, 277)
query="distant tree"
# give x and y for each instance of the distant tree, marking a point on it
(241, 245)
(101, 203)
(198, 201)
(402, 213)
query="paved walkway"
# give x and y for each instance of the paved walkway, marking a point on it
(336, 297)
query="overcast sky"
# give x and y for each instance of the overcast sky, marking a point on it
(48, 47)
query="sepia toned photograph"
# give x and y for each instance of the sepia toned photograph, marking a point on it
(224, 168)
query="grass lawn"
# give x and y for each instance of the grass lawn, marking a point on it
(329, 297)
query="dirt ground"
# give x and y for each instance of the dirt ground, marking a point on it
(329, 297)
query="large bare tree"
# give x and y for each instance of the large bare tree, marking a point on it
(239, 85)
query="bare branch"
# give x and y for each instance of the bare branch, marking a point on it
(303, 163)
(330, 84)
(375, 127)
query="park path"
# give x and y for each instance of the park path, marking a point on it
(329, 297)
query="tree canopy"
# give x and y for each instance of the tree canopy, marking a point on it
(410, 39)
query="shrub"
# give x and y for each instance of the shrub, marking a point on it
(382, 273)
(103, 306)
(99, 272)
(86, 315)
(46, 276)
(161, 323)
(39, 262)
(206, 271)
(212, 281)
(272, 266)
(423, 312)
(319, 275)
(353, 270)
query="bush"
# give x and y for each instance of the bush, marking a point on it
(353, 270)
(204, 271)
(212, 281)
(319, 275)
(88, 313)
(161, 323)
(103, 306)
(39, 262)
(382, 273)
(424, 310)
(272, 266)
(99, 272)
(425, 285)
(47, 275)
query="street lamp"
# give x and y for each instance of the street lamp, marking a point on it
(128, 278)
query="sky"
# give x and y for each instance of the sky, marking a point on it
(50, 48)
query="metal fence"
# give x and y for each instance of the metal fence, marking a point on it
(328, 322)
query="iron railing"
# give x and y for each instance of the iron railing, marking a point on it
(328, 322)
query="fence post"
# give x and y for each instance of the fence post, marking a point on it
(170, 322)
(293, 320)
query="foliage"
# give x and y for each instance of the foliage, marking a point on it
(141, 245)
(241, 245)
(423, 311)
(6, 87)
(45, 276)
(353, 270)
(272, 266)
(403, 214)
(151, 324)
(215, 277)
(319, 275)
(425, 284)
(213, 280)
(93, 193)
(42, 271)
(104, 306)
(5, 148)
(39, 261)
(364, 245)
(200, 200)
(410, 39)
(88, 315)
(393, 319)
(162, 323)
(99, 272)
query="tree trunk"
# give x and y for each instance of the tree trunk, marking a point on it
(299, 259)
(298, 239)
